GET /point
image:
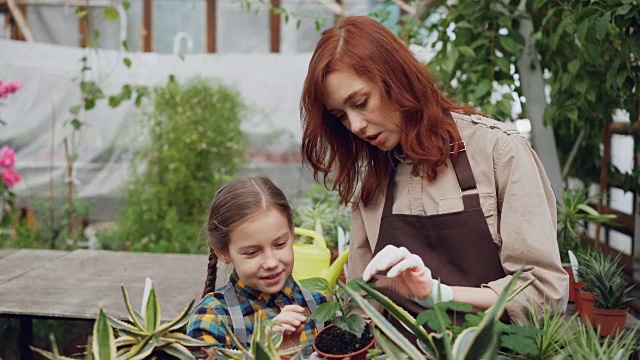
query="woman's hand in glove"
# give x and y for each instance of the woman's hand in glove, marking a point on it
(406, 274)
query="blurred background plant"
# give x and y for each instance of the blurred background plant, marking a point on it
(195, 145)
(319, 205)
(574, 213)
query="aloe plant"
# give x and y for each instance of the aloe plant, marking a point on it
(476, 342)
(263, 345)
(145, 336)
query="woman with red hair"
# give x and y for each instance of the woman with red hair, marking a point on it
(438, 190)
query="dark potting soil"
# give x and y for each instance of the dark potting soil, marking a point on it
(336, 341)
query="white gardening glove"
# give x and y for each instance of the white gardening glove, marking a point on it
(407, 276)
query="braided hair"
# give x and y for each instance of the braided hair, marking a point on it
(234, 204)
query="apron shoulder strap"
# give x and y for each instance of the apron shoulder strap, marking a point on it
(466, 180)
(311, 303)
(235, 311)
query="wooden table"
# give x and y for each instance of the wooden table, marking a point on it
(75, 285)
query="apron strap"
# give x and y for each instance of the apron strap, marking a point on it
(466, 180)
(235, 311)
(311, 303)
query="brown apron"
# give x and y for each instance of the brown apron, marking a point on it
(457, 246)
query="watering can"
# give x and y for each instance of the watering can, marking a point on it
(314, 260)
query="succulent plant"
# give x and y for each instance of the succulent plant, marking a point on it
(146, 335)
(143, 338)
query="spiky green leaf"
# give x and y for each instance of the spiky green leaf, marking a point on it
(178, 322)
(152, 313)
(103, 340)
(134, 316)
(178, 351)
(383, 324)
(188, 341)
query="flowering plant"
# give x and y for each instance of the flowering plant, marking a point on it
(10, 177)
(7, 88)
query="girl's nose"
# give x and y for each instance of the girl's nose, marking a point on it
(270, 261)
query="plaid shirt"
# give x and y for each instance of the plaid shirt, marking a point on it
(206, 321)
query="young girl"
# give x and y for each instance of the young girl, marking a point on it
(251, 227)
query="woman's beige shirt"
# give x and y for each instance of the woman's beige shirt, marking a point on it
(516, 199)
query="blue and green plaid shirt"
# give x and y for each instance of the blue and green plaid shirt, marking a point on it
(211, 312)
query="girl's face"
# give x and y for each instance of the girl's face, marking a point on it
(357, 103)
(261, 250)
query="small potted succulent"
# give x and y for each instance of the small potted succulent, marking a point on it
(612, 298)
(348, 336)
(591, 264)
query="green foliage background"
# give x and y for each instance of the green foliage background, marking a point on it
(195, 145)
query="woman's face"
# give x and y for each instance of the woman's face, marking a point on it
(357, 103)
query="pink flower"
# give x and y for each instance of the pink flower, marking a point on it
(9, 88)
(10, 177)
(7, 157)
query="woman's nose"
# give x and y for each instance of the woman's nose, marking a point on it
(357, 124)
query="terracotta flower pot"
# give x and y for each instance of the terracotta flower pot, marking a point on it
(611, 322)
(572, 282)
(576, 294)
(356, 355)
(587, 302)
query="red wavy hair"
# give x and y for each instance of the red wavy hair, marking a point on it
(366, 48)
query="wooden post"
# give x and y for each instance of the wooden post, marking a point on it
(211, 26)
(84, 26)
(147, 26)
(274, 20)
(604, 177)
(16, 33)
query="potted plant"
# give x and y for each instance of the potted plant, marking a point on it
(612, 298)
(263, 345)
(348, 336)
(142, 337)
(587, 345)
(590, 262)
(481, 340)
(574, 213)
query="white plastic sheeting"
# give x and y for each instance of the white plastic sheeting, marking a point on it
(37, 115)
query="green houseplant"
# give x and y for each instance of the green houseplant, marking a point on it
(348, 336)
(611, 297)
(142, 337)
(481, 340)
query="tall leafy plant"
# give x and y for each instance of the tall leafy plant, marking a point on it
(195, 145)
(574, 213)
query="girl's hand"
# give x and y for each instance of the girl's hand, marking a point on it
(405, 272)
(291, 321)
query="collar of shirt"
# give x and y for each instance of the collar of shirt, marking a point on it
(399, 155)
(242, 289)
